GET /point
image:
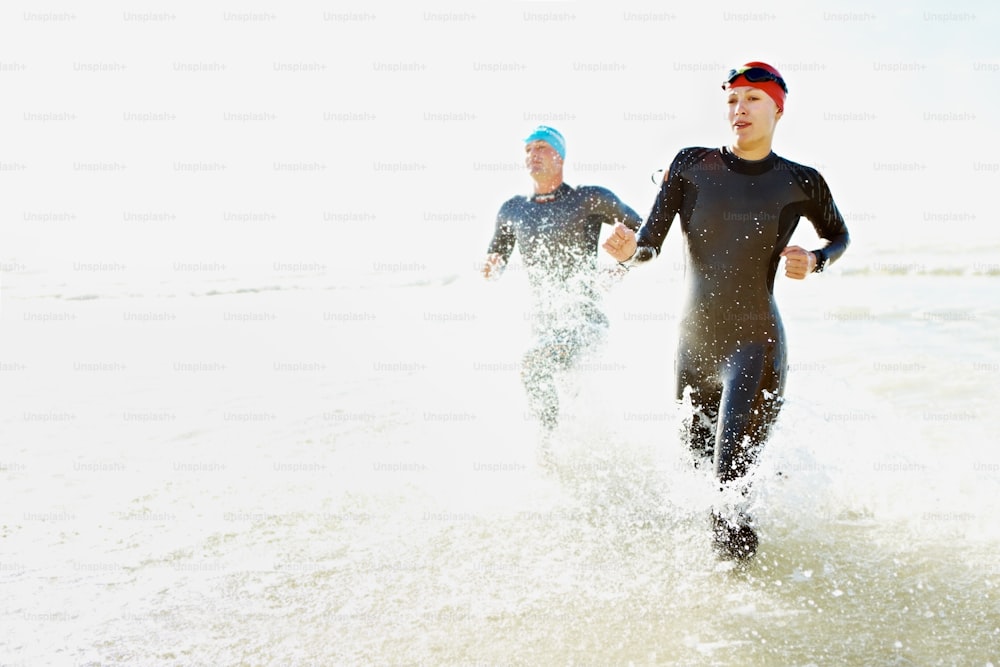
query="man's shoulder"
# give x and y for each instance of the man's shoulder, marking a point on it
(592, 191)
(515, 203)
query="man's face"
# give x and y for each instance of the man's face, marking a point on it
(541, 159)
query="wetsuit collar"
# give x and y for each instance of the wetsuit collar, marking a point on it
(748, 167)
(548, 197)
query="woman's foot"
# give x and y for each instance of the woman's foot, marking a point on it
(736, 541)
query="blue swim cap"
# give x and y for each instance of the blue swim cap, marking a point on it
(550, 136)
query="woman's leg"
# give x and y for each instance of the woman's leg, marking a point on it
(751, 401)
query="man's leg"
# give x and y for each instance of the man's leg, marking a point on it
(558, 351)
(538, 369)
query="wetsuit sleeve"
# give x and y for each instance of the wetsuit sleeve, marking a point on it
(611, 209)
(826, 219)
(503, 234)
(666, 207)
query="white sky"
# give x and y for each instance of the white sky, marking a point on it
(850, 110)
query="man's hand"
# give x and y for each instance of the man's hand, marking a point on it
(621, 244)
(799, 262)
(493, 266)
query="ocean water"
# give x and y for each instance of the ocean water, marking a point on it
(338, 469)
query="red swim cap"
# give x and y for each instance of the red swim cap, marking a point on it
(762, 76)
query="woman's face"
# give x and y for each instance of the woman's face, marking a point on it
(752, 115)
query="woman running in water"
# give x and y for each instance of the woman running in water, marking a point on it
(739, 206)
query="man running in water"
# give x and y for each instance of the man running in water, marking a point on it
(557, 230)
(738, 206)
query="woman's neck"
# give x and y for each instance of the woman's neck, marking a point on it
(751, 153)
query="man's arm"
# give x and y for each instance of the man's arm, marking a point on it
(501, 245)
(612, 209)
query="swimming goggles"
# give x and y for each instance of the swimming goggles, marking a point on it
(755, 75)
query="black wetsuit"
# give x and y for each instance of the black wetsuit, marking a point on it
(737, 216)
(557, 235)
